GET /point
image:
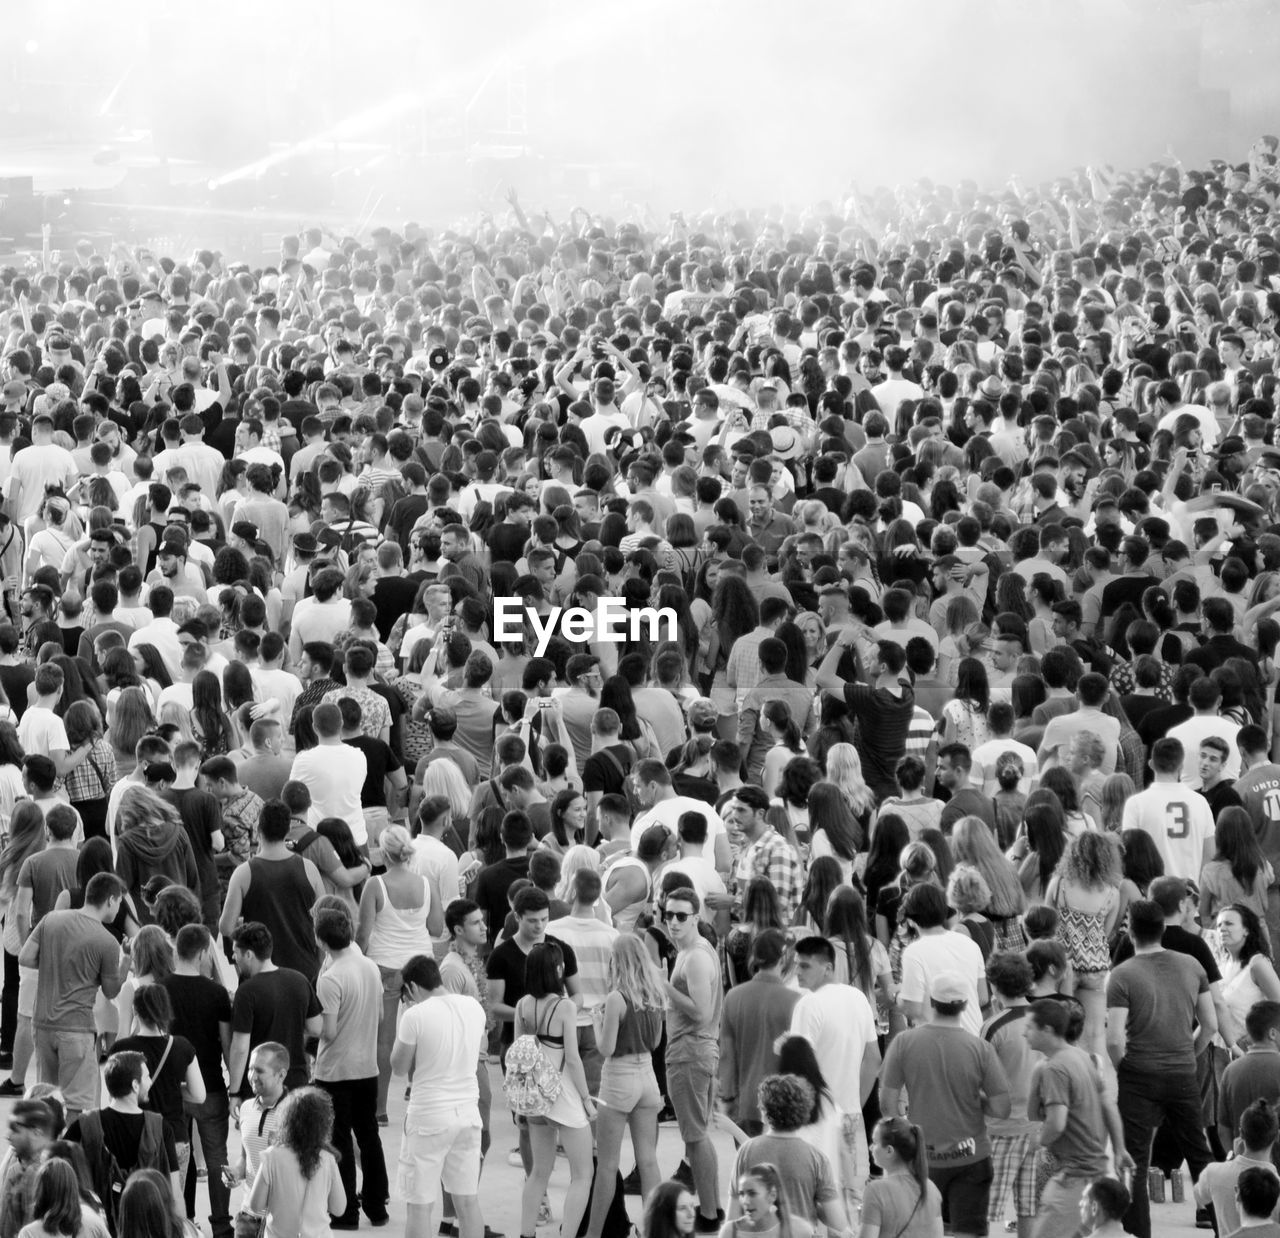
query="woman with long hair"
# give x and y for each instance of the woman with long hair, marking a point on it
(148, 1208)
(789, 808)
(26, 838)
(822, 880)
(1066, 786)
(150, 962)
(1140, 859)
(568, 821)
(961, 615)
(636, 732)
(761, 909)
(844, 770)
(89, 784)
(129, 718)
(628, 1027)
(1248, 972)
(1085, 892)
(902, 1202)
(761, 1197)
(209, 722)
(55, 1205)
(889, 839)
(734, 613)
(1043, 593)
(1238, 872)
(964, 716)
(917, 864)
(671, 1212)
(827, 1124)
(1041, 845)
(442, 777)
(298, 1187)
(778, 725)
(973, 843)
(861, 960)
(1116, 790)
(547, 1013)
(151, 669)
(833, 829)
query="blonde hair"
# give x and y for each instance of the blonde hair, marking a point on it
(972, 842)
(444, 778)
(174, 714)
(396, 844)
(967, 891)
(633, 974)
(1115, 791)
(844, 768)
(572, 863)
(141, 806)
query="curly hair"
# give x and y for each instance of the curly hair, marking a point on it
(306, 1127)
(967, 890)
(786, 1101)
(1092, 861)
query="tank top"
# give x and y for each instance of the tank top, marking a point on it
(625, 920)
(638, 1031)
(158, 530)
(399, 933)
(688, 1036)
(280, 896)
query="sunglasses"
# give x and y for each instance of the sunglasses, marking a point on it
(679, 916)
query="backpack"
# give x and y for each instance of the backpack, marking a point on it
(299, 845)
(108, 1178)
(532, 1084)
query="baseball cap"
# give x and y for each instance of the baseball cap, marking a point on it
(1230, 446)
(948, 987)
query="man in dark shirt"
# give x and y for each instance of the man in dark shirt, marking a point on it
(1220, 619)
(883, 711)
(407, 510)
(202, 1013)
(507, 539)
(272, 1003)
(382, 766)
(1157, 724)
(393, 592)
(955, 762)
(606, 769)
(1217, 789)
(202, 819)
(495, 880)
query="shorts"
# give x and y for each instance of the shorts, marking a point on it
(1013, 1168)
(965, 1191)
(439, 1152)
(1059, 1214)
(27, 977)
(627, 1083)
(691, 1087)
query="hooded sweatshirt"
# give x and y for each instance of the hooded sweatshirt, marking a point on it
(158, 848)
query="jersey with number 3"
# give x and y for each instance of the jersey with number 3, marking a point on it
(1179, 822)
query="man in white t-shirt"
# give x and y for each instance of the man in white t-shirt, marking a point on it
(1204, 698)
(41, 730)
(438, 1045)
(693, 862)
(34, 468)
(837, 1020)
(334, 773)
(660, 805)
(432, 859)
(1177, 818)
(937, 950)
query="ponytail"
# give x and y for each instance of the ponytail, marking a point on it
(907, 1140)
(920, 1161)
(779, 713)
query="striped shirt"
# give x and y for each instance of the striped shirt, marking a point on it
(592, 944)
(258, 1125)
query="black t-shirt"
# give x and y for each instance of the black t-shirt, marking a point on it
(199, 1005)
(1178, 939)
(506, 541)
(275, 1005)
(16, 680)
(393, 596)
(201, 816)
(491, 889)
(165, 1097)
(507, 964)
(396, 708)
(1158, 723)
(122, 1135)
(600, 773)
(381, 761)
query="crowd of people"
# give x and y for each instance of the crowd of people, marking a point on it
(934, 859)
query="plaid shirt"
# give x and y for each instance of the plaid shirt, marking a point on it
(94, 777)
(772, 856)
(794, 418)
(270, 437)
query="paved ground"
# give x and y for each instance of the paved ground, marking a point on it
(500, 1183)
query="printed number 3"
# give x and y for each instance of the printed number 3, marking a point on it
(1180, 820)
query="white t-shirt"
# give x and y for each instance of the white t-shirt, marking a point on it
(276, 684)
(668, 812)
(934, 953)
(446, 1031)
(1190, 733)
(334, 774)
(837, 1020)
(985, 757)
(703, 879)
(1179, 821)
(41, 731)
(38, 467)
(432, 859)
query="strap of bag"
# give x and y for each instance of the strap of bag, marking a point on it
(97, 769)
(164, 1057)
(613, 760)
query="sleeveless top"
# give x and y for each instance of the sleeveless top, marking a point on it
(1084, 935)
(624, 921)
(688, 1036)
(639, 1031)
(399, 932)
(280, 896)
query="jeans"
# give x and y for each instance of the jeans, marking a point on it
(355, 1112)
(69, 1060)
(1145, 1100)
(212, 1121)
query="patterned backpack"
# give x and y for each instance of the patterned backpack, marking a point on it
(532, 1084)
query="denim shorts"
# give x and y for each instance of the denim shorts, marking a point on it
(627, 1083)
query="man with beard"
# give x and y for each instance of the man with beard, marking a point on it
(171, 569)
(579, 702)
(37, 606)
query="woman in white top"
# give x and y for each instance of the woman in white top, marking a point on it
(833, 829)
(964, 717)
(398, 917)
(1248, 975)
(298, 1187)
